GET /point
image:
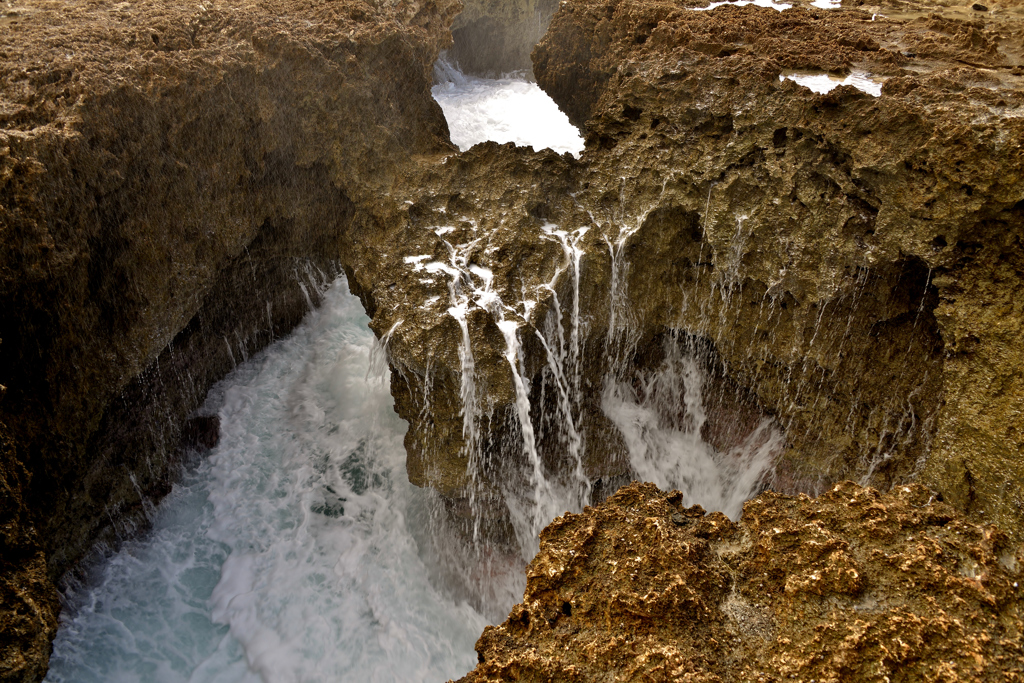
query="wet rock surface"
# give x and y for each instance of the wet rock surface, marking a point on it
(805, 210)
(178, 184)
(851, 586)
(28, 601)
(848, 264)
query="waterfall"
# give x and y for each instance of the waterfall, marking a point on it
(661, 414)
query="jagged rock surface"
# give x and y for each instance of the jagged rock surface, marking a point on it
(177, 185)
(175, 181)
(851, 586)
(28, 603)
(900, 216)
(851, 262)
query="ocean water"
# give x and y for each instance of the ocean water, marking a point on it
(298, 551)
(503, 110)
(291, 553)
(823, 82)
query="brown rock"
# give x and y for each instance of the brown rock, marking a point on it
(852, 586)
(178, 184)
(28, 600)
(845, 263)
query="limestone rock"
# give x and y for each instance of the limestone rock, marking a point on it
(848, 263)
(28, 599)
(178, 183)
(852, 586)
(838, 241)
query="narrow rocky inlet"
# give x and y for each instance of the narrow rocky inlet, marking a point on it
(780, 249)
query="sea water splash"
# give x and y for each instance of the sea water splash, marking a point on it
(291, 553)
(670, 453)
(503, 110)
(822, 83)
(740, 3)
(660, 416)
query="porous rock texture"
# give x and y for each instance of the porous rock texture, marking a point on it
(849, 265)
(859, 256)
(178, 182)
(851, 586)
(28, 602)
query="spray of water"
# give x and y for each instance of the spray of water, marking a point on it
(503, 110)
(293, 552)
(824, 82)
(660, 415)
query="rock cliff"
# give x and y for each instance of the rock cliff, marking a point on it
(849, 236)
(177, 185)
(846, 264)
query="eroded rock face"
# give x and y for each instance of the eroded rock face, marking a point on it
(177, 185)
(852, 586)
(845, 260)
(28, 602)
(841, 234)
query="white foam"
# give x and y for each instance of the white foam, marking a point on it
(662, 430)
(416, 261)
(740, 3)
(292, 553)
(504, 110)
(822, 82)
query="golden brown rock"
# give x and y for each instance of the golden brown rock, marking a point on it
(28, 600)
(852, 586)
(175, 180)
(848, 262)
(860, 254)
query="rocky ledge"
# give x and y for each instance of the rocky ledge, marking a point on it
(177, 186)
(851, 586)
(847, 264)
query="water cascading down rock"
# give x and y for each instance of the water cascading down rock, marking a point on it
(825, 254)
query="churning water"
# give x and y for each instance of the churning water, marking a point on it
(299, 552)
(504, 110)
(291, 552)
(824, 82)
